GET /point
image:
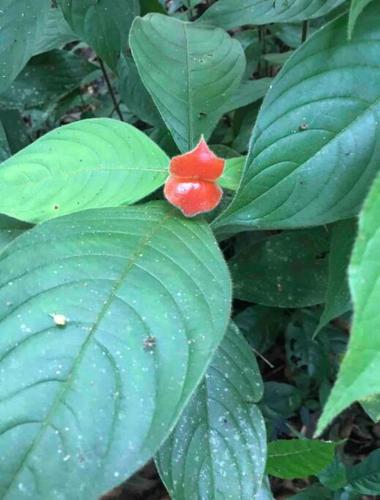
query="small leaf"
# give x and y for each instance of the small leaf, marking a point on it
(358, 377)
(371, 405)
(314, 492)
(315, 144)
(15, 129)
(365, 477)
(218, 447)
(280, 400)
(232, 13)
(338, 300)
(232, 173)
(4, 146)
(103, 25)
(134, 94)
(87, 164)
(10, 229)
(268, 272)
(261, 325)
(249, 91)
(94, 309)
(208, 66)
(298, 458)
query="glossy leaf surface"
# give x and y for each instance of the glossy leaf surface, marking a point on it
(88, 164)
(232, 13)
(298, 458)
(315, 144)
(218, 448)
(109, 298)
(208, 66)
(359, 373)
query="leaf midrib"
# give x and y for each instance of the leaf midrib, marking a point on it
(66, 386)
(189, 102)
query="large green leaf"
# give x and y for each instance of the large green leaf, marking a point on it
(88, 164)
(103, 24)
(218, 448)
(356, 8)
(358, 377)
(298, 458)
(365, 477)
(55, 33)
(232, 13)
(20, 23)
(143, 299)
(190, 70)
(337, 299)
(315, 145)
(45, 79)
(285, 270)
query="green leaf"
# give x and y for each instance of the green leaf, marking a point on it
(359, 373)
(4, 147)
(278, 58)
(334, 476)
(15, 129)
(249, 91)
(45, 79)
(365, 477)
(88, 164)
(309, 360)
(55, 33)
(134, 94)
(147, 6)
(137, 288)
(207, 63)
(218, 448)
(232, 173)
(338, 300)
(20, 23)
(104, 24)
(356, 8)
(232, 13)
(315, 144)
(280, 400)
(313, 492)
(284, 270)
(371, 405)
(298, 458)
(261, 325)
(10, 229)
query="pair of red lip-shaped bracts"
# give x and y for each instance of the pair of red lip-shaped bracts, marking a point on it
(191, 185)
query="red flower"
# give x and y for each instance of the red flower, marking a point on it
(191, 185)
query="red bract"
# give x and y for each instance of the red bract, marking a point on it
(191, 186)
(192, 196)
(199, 163)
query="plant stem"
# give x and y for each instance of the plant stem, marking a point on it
(110, 89)
(305, 26)
(190, 10)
